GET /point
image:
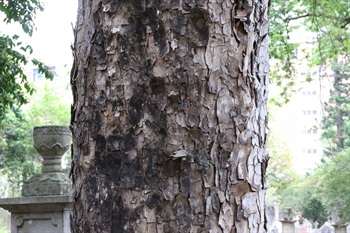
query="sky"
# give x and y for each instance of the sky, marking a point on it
(54, 35)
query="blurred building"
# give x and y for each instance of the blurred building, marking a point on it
(299, 120)
(60, 83)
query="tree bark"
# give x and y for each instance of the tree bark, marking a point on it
(169, 116)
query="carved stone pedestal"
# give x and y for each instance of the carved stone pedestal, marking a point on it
(341, 227)
(40, 214)
(288, 221)
(55, 183)
(46, 203)
(288, 226)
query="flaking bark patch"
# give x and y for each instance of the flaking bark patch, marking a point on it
(200, 26)
(136, 108)
(157, 86)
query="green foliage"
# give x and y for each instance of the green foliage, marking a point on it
(13, 80)
(12, 74)
(46, 108)
(336, 122)
(335, 188)
(272, 196)
(18, 159)
(21, 11)
(320, 193)
(329, 23)
(327, 189)
(314, 210)
(3, 229)
(279, 173)
(282, 50)
(303, 196)
(14, 55)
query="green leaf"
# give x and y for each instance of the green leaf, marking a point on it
(22, 12)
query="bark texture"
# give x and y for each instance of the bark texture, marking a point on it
(169, 116)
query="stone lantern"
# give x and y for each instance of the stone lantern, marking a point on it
(46, 202)
(288, 221)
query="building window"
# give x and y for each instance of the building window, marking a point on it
(309, 151)
(309, 131)
(309, 112)
(309, 93)
(296, 52)
(37, 76)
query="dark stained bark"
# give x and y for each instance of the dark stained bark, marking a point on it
(169, 116)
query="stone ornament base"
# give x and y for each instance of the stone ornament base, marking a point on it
(49, 214)
(45, 184)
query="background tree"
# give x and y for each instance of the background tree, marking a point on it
(328, 21)
(49, 105)
(335, 184)
(324, 192)
(336, 131)
(280, 172)
(169, 116)
(303, 197)
(18, 159)
(336, 122)
(2, 227)
(14, 55)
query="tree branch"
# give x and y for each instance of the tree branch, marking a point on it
(347, 21)
(300, 17)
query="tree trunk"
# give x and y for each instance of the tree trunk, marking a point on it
(169, 116)
(339, 114)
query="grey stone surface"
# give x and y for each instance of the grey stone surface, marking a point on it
(51, 142)
(46, 202)
(37, 223)
(288, 226)
(36, 204)
(327, 228)
(49, 214)
(55, 183)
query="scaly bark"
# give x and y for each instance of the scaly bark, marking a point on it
(169, 116)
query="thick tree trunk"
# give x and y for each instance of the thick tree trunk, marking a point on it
(169, 116)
